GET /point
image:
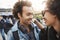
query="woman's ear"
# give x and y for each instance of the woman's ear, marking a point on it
(54, 16)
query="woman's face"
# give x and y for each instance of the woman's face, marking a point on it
(49, 18)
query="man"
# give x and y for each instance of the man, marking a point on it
(24, 29)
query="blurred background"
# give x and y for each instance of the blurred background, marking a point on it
(6, 7)
(7, 19)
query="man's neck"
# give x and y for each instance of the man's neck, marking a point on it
(26, 26)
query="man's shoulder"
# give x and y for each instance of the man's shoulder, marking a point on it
(34, 25)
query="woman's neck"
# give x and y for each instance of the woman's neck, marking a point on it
(56, 26)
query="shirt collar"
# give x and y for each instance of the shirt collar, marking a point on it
(23, 29)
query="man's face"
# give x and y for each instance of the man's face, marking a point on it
(27, 15)
(49, 18)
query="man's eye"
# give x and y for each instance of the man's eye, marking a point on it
(29, 14)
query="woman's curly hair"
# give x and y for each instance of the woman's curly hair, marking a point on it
(54, 7)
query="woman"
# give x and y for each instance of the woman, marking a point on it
(51, 17)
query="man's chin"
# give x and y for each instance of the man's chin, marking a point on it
(29, 23)
(47, 25)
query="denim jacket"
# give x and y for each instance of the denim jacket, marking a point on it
(22, 36)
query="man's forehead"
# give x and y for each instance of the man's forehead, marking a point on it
(26, 8)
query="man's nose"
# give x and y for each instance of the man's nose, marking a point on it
(31, 16)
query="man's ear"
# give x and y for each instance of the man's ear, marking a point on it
(19, 16)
